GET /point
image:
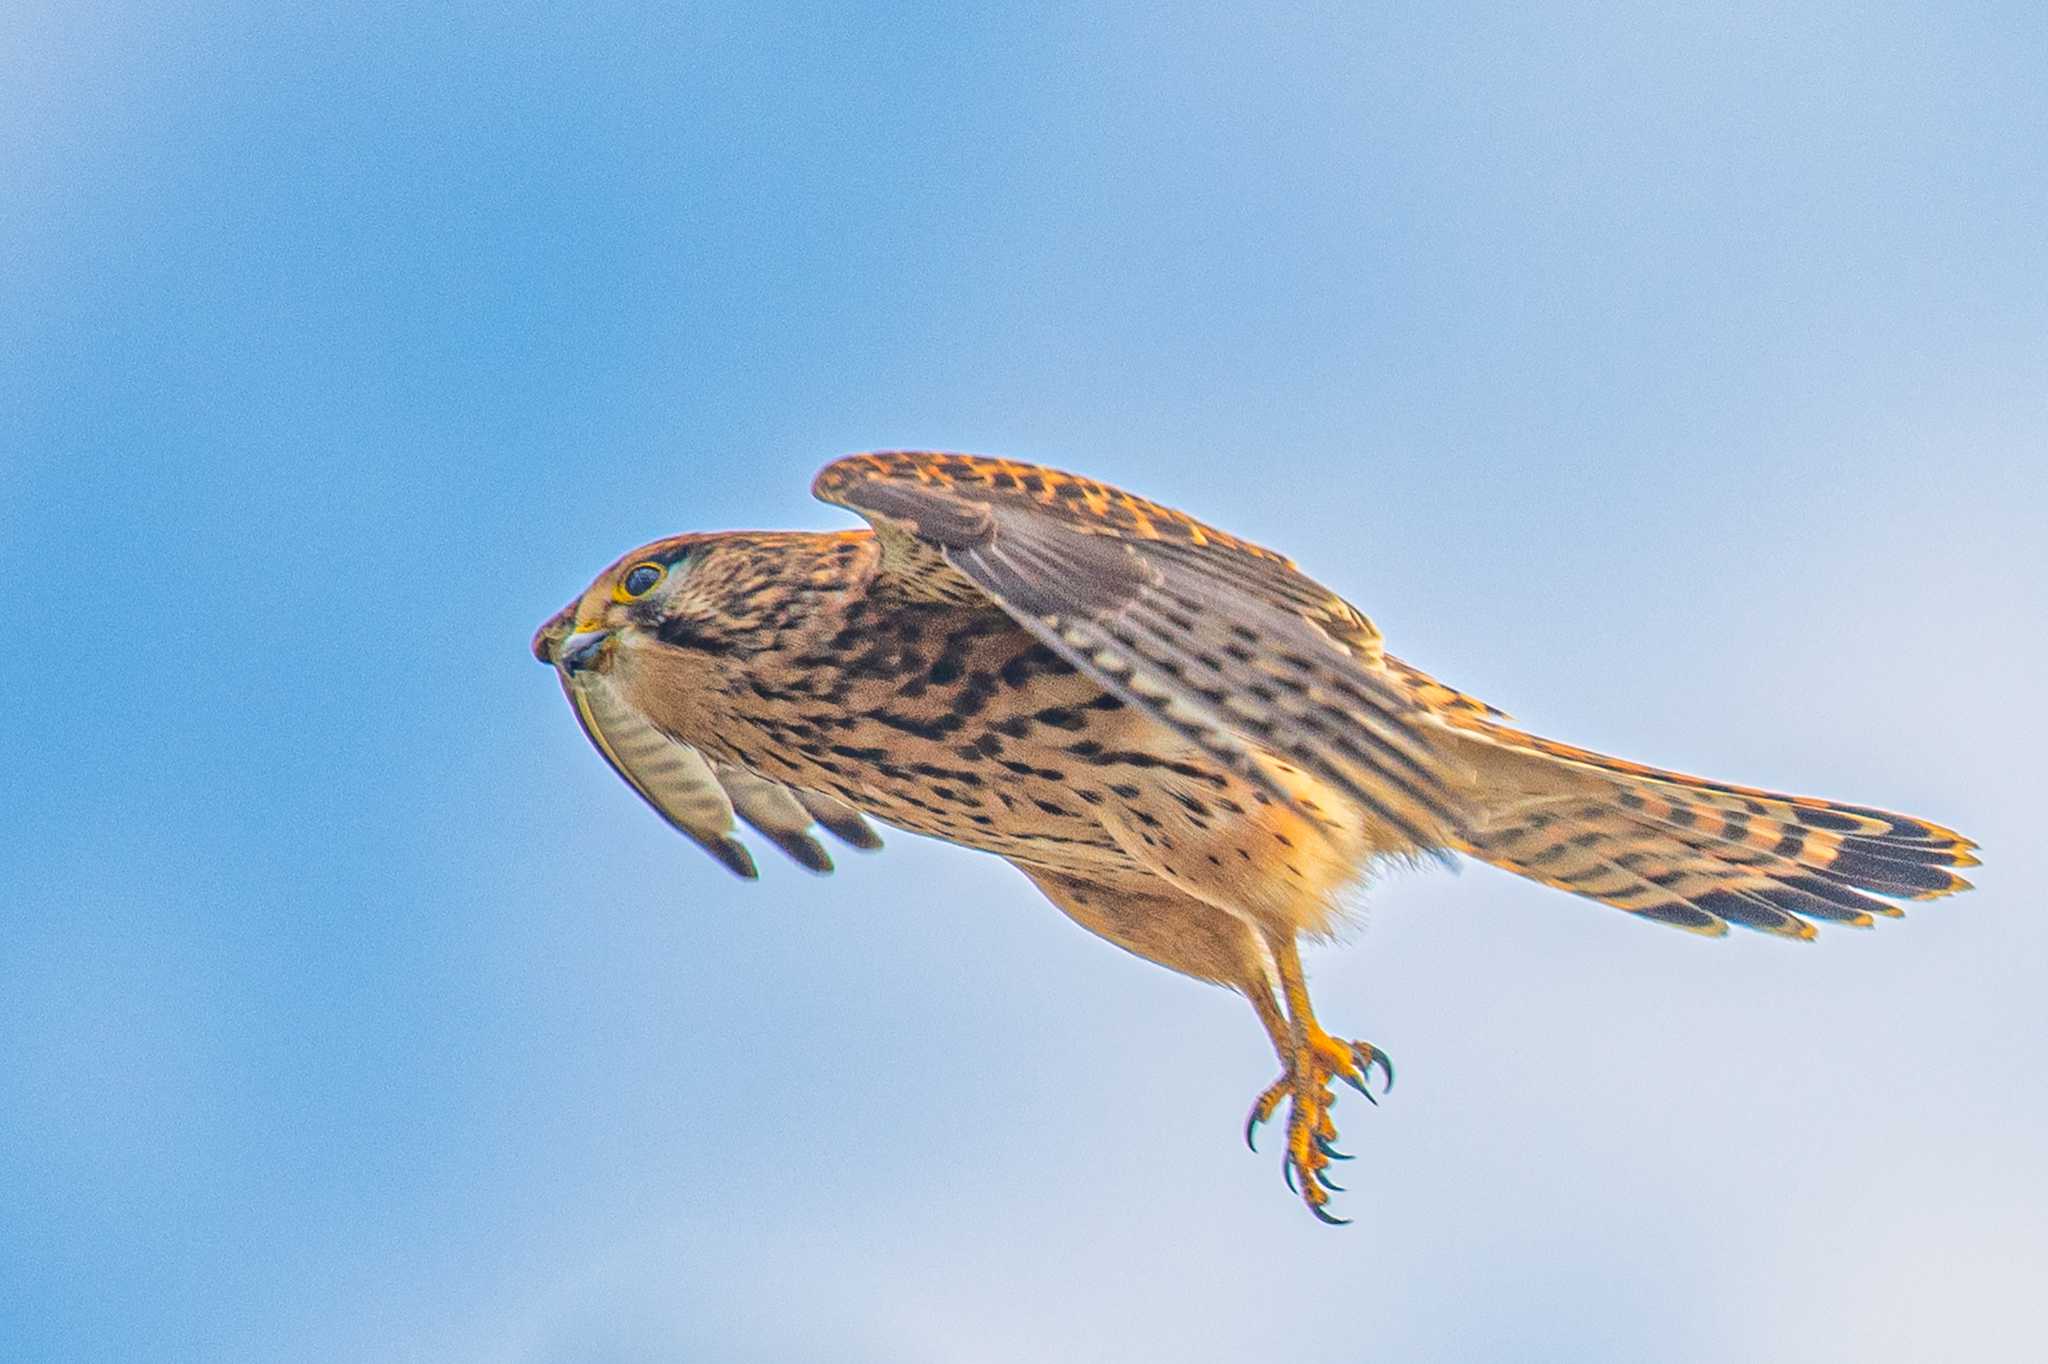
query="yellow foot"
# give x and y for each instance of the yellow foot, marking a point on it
(1311, 1134)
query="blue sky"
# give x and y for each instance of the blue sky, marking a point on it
(1676, 380)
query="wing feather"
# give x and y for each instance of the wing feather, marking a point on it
(1219, 640)
(701, 798)
(840, 819)
(672, 777)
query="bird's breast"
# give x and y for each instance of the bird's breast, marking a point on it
(956, 722)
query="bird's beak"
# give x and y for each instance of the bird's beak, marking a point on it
(580, 650)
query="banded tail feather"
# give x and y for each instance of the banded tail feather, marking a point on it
(1690, 852)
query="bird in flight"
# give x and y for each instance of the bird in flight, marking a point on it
(1188, 745)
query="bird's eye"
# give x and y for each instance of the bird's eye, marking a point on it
(640, 579)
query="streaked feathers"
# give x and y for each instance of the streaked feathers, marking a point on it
(700, 798)
(1697, 853)
(1228, 644)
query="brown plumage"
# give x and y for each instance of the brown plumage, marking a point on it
(1187, 745)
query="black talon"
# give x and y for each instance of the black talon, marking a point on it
(1332, 1152)
(1323, 1178)
(1287, 1173)
(1326, 1219)
(1356, 1083)
(1375, 1057)
(1251, 1129)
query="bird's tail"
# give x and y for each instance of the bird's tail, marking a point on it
(1696, 854)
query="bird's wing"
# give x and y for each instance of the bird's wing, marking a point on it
(1220, 640)
(785, 816)
(699, 797)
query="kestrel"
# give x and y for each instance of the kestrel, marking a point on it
(1189, 746)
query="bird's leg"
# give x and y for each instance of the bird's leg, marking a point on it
(1311, 1059)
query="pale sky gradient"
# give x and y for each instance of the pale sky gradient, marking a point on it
(1676, 381)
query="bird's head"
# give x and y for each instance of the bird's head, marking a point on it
(678, 603)
(666, 595)
(666, 631)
